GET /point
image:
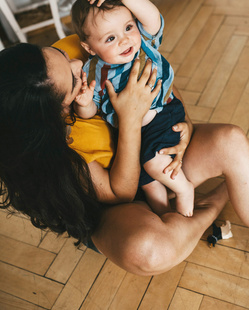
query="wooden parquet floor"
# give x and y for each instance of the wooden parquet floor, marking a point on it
(207, 42)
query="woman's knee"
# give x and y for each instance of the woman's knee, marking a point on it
(149, 254)
(238, 136)
(232, 141)
(136, 239)
(230, 133)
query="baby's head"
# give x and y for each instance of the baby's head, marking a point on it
(109, 31)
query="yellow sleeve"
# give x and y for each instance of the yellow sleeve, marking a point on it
(92, 139)
(71, 45)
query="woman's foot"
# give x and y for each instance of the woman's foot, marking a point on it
(216, 199)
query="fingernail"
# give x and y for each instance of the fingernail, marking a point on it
(175, 127)
(160, 152)
(149, 59)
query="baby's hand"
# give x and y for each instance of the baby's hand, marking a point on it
(99, 2)
(85, 96)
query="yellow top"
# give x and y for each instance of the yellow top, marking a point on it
(71, 45)
(92, 139)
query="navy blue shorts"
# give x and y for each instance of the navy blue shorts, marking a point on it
(158, 134)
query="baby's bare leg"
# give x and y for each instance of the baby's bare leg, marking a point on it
(183, 189)
(156, 196)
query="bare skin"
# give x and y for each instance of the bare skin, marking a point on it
(114, 36)
(141, 242)
(130, 234)
(138, 240)
(183, 189)
(114, 185)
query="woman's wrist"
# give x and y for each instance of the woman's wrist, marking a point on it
(130, 123)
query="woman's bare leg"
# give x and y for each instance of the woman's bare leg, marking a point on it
(157, 197)
(138, 240)
(221, 149)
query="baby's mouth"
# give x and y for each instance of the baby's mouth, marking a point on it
(127, 52)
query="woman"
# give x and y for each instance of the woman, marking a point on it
(44, 178)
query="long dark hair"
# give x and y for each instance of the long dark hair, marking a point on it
(40, 175)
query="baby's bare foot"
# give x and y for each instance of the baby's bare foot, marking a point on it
(185, 201)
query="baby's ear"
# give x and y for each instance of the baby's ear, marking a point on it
(87, 48)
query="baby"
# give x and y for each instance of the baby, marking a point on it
(115, 33)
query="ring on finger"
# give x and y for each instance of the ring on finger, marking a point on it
(151, 86)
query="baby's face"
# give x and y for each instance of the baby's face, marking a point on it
(113, 35)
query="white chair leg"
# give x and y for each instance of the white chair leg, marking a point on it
(12, 6)
(56, 17)
(12, 21)
(20, 32)
(1, 45)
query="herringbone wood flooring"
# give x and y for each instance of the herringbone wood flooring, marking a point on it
(207, 43)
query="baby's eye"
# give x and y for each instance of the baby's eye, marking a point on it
(110, 39)
(128, 28)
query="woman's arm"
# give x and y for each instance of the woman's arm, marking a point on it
(119, 184)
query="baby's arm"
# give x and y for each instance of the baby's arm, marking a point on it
(147, 13)
(84, 106)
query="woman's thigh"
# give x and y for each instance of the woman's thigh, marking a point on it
(208, 152)
(141, 242)
(138, 240)
(217, 149)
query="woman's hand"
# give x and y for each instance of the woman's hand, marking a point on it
(186, 131)
(132, 103)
